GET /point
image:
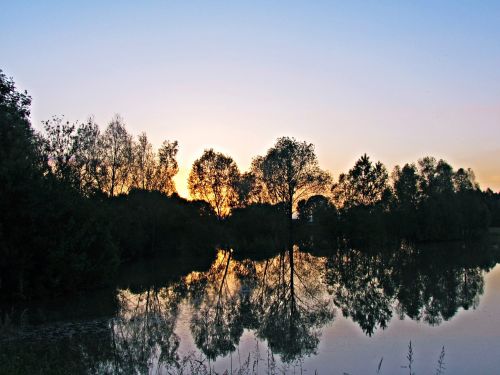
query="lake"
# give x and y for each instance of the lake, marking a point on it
(342, 311)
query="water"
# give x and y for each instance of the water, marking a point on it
(334, 312)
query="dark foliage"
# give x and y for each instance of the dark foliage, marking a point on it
(61, 228)
(51, 239)
(75, 202)
(259, 230)
(147, 223)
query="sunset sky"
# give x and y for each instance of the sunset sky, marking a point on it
(397, 80)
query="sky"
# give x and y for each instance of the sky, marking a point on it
(397, 80)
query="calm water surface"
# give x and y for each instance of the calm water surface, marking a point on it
(333, 312)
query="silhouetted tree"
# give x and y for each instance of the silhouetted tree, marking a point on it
(52, 239)
(154, 171)
(118, 156)
(214, 178)
(464, 180)
(364, 185)
(492, 201)
(144, 163)
(166, 168)
(75, 202)
(59, 138)
(259, 191)
(89, 158)
(248, 189)
(21, 171)
(406, 200)
(406, 186)
(363, 196)
(450, 205)
(436, 177)
(290, 172)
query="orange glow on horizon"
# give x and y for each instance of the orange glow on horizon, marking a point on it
(180, 180)
(486, 175)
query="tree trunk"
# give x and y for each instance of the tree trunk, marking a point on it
(290, 224)
(113, 173)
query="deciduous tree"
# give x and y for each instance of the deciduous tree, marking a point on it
(290, 172)
(118, 156)
(364, 185)
(89, 157)
(166, 167)
(214, 178)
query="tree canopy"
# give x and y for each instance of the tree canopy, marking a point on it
(75, 200)
(364, 185)
(290, 172)
(214, 178)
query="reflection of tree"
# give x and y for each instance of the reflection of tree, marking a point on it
(286, 301)
(291, 304)
(434, 289)
(143, 331)
(356, 282)
(471, 287)
(216, 323)
(281, 298)
(426, 284)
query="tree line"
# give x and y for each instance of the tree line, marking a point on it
(111, 162)
(424, 201)
(76, 200)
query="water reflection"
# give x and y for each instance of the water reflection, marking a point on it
(360, 287)
(216, 323)
(429, 285)
(143, 331)
(282, 301)
(291, 304)
(285, 301)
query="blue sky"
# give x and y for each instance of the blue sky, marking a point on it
(398, 80)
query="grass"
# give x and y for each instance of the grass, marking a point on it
(440, 369)
(20, 359)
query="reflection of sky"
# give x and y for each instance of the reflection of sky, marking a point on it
(471, 340)
(395, 81)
